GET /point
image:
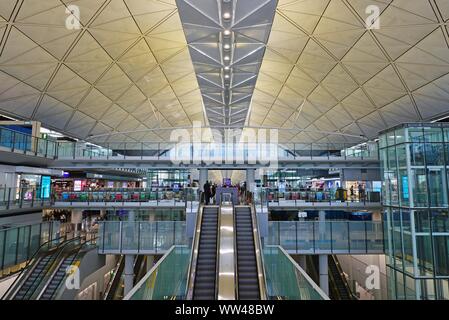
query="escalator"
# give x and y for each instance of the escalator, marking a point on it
(114, 283)
(34, 276)
(25, 290)
(247, 274)
(67, 261)
(339, 287)
(58, 277)
(44, 276)
(205, 280)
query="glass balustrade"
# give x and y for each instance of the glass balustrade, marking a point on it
(151, 195)
(21, 142)
(17, 198)
(333, 237)
(167, 280)
(179, 152)
(286, 280)
(18, 244)
(140, 237)
(297, 196)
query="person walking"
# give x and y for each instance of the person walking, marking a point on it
(351, 192)
(207, 192)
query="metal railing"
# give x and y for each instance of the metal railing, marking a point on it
(328, 237)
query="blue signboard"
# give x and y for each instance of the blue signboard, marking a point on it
(405, 193)
(45, 187)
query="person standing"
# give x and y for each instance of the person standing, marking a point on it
(361, 192)
(214, 191)
(207, 192)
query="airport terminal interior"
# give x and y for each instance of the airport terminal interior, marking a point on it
(224, 150)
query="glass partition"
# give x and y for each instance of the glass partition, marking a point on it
(356, 237)
(167, 280)
(415, 171)
(285, 278)
(18, 244)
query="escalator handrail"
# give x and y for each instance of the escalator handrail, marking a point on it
(75, 257)
(53, 260)
(76, 252)
(259, 257)
(194, 252)
(303, 273)
(236, 259)
(26, 268)
(148, 274)
(115, 280)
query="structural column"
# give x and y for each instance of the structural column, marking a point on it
(129, 263)
(323, 263)
(76, 220)
(203, 178)
(250, 179)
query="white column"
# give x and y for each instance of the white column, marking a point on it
(250, 179)
(203, 178)
(323, 263)
(324, 274)
(129, 273)
(129, 263)
(76, 220)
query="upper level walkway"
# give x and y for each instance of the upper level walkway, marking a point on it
(16, 147)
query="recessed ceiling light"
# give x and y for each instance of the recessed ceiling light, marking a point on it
(226, 58)
(227, 32)
(226, 68)
(227, 15)
(226, 76)
(227, 46)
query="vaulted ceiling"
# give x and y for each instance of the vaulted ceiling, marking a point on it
(128, 68)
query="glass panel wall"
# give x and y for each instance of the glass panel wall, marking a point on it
(415, 168)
